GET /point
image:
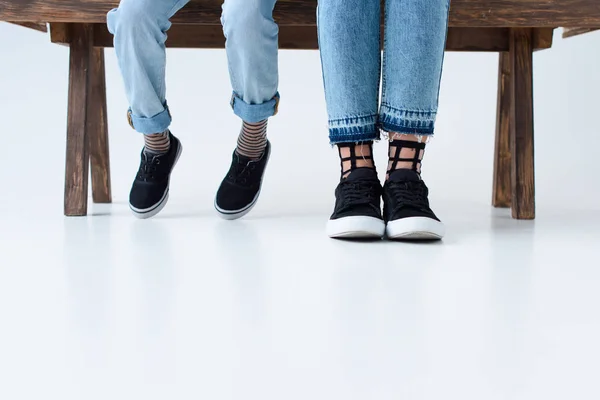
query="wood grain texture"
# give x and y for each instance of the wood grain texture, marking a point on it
(38, 26)
(97, 130)
(301, 37)
(570, 32)
(59, 32)
(463, 13)
(542, 38)
(521, 127)
(76, 171)
(501, 193)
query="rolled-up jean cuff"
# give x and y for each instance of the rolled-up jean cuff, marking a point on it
(353, 129)
(156, 124)
(406, 122)
(254, 112)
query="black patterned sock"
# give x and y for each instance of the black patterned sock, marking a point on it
(252, 141)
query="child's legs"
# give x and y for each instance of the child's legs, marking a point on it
(252, 46)
(139, 28)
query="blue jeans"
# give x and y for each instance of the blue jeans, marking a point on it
(414, 41)
(139, 28)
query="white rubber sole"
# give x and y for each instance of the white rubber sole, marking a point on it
(231, 215)
(416, 228)
(359, 227)
(158, 207)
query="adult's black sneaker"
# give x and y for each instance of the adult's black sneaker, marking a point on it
(357, 213)
(240, 189)
(150, 191)
(406, 208)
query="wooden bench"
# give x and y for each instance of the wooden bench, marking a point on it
(513, 28)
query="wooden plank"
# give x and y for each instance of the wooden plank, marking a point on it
(97, 128)
(501, 196)
(521, 127)
(38, 26)
(59, 33)
(297, 37)
(570, 32)
(542, 38)
(463, 13)
(76, 171)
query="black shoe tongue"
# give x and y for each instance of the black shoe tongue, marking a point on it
(362, 173)
(404, 175)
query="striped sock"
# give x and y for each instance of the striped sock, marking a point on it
(157, 143)
(252, 141)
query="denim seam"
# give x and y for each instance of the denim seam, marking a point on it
(406, 110)
(444, 50)
(144, 121)
(320, 53)
(371, 136)
(405, 122)
(176, 6)
(355, 117)
(355, 130)
(382, 64)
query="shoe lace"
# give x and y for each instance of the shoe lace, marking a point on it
(148, 167)
(357, 193)
(241, 171)
(413, 194)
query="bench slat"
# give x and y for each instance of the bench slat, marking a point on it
(570, 32)
(464, 13)
(305, 37)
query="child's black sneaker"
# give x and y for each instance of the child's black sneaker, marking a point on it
(150, 191)
(406, 208)
(357, 213)
(240, 189)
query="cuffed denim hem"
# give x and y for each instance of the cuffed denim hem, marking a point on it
(254, 112)
(355, 129)
(406, 122)
(156, 124)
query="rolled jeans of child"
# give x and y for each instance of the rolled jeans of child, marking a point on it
(414, 42)
(140, 33)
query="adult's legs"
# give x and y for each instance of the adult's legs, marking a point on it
(415, 37)
(349, 39)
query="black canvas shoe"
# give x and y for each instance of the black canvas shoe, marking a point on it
(357, 213)
(240, 189)
(406, 208)
(150, 191)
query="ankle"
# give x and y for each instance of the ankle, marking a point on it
(252, 140)
(157, 143)
(405, 153)
(355, 155)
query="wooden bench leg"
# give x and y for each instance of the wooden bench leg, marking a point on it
(521, 125)
(502, 195)
(98, 131)
(76, 171)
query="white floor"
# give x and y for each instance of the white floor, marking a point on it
(186, 306)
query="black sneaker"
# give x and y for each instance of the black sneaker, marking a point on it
(357, 213)
(240, 189)
(150, 190)
(406, 208)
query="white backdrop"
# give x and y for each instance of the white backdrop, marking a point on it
(458, 165)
